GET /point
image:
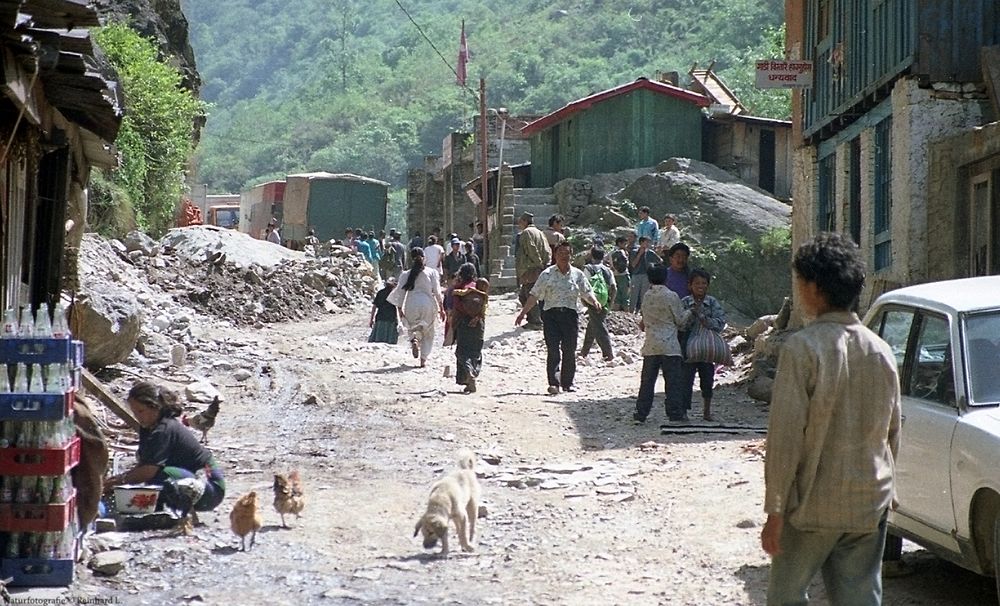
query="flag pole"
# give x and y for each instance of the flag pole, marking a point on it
(483, 211)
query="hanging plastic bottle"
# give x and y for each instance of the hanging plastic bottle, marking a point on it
(60, 324)
(26, 327)
(35, 382)
(10, 327)
(21, 378)
(43, 324)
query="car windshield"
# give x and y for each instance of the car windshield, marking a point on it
(982, 355)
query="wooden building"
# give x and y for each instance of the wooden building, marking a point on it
(59, 114)
(630, 126)
(894, 79)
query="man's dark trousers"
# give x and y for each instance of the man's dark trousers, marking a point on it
(671, 368)
(561, 326)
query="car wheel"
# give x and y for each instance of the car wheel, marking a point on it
(893, 548)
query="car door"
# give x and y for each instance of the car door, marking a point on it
(922, 343)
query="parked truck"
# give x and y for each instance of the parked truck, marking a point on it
(330, 203)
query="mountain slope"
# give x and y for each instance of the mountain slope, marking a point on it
(346, 85)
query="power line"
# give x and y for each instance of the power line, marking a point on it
(475, 97)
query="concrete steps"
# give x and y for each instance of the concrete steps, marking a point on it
(540, 202)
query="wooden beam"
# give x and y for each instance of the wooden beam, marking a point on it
(989, 57)
(99, 391)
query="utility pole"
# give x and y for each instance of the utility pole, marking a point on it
(484, 179)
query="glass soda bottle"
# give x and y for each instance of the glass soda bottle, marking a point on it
(26, 327)
(10, 326)
(35, 383)
(43, 324)
(60, 324)
(21, 378)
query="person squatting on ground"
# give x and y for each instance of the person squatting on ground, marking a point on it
(833, 435)
(623, 282)
(418, 298)
(469, 318)
(642, 259)
(596, 330)
(706, 314)
(170, 455)
(559, 287)
(662, 314)
(532, 257)
(383, 321)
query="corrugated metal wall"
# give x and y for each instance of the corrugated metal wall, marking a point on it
(634, 130)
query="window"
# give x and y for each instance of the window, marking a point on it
(894, 328)
(932, 377)
(982, 357)
(826, 216)
(854, 191)
(883, 194)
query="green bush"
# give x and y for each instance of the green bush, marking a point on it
(776, 241)
(156, 137)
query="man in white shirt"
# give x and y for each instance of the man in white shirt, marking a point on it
(669, 234)
(560, 286)
(433, 255)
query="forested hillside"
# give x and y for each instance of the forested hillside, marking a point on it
(353, 86)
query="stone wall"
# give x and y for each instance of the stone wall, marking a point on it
(572, 196)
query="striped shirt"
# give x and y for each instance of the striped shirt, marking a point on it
(833, 431)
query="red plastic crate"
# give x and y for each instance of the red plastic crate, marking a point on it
(40, 461)
(20, 517)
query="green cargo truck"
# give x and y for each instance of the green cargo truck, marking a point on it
(330, 203)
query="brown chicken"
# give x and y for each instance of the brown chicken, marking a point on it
(204, 420)
(289, 497)
(245, 519)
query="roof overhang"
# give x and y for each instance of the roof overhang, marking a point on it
(579, 105)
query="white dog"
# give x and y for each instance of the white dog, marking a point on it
(454, 497)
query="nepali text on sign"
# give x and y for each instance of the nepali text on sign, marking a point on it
(777, 73)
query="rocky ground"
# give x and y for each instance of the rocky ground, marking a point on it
(582, 506)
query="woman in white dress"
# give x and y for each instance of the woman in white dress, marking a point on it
(419, 300)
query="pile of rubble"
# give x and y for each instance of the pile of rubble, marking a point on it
(231, 276)
(137, 291)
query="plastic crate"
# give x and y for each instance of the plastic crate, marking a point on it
(37, 572)
(40, 461)
(35, 406)
(41, 351)
(19, 517)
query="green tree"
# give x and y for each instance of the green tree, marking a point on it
(155, 139)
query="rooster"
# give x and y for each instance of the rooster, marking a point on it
(245, 519)
(204, 420)
(289, 497)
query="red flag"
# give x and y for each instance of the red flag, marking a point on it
(463, 56)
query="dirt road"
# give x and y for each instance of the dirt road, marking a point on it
(583, 507)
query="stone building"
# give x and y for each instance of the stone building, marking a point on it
(893, 141)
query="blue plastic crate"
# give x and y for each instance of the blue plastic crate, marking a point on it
(35, 406)
(37, 572)
(41, 351)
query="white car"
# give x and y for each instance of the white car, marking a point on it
(946, 337)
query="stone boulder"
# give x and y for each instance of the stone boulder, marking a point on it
(108, 321)
(137, 241)
(736, 231)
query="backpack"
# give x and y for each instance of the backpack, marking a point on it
(388, 261)
(598, 284)
(619, 261)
